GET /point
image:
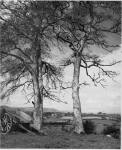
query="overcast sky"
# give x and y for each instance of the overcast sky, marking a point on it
(93, 98)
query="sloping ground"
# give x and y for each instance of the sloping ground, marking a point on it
(26, 109)
(56, 138)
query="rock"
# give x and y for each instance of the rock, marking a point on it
(108, 135)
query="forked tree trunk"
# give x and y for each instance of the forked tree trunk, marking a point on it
(78, 122)
(38, 106)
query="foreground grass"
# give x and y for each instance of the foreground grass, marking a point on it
(56, 138)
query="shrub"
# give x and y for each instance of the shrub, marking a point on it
(113, 131)
(89, 127)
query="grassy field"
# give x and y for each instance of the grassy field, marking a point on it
(101, 124)
(56, 138)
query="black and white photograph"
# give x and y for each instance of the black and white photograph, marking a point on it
(60, 74)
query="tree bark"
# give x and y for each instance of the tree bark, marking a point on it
(78, 122)
(38, 105)
(38, 84)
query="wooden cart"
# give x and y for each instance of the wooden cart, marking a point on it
(11, 117)
(18, 117)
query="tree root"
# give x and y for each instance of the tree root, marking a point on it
(24, 128)
(33, 131)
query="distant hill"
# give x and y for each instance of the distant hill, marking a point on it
(51, 110)
(29, 108)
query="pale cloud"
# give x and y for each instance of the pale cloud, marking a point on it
(105, 100)
(93, 98)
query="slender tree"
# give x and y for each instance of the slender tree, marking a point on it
(86, 24)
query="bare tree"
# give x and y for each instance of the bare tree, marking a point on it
(25, 38)
(86, 24)
(28, 27)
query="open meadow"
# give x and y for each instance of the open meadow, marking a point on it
(57, 138)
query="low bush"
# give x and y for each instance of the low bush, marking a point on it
(113, 131)
(89, 127)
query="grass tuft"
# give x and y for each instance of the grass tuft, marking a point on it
(89, 127)
(112, 130)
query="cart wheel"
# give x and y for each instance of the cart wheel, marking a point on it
(6, 123)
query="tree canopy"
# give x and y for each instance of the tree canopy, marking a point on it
(25, 42)
(88, 25)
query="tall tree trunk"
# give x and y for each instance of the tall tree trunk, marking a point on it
(38, 105)
(78, 122)
(38, 84)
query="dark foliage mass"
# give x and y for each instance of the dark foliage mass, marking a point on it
(89, 127)
(113, 131)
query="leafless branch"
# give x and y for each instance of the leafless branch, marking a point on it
(96, 63)
(12, 89)
(52, 96)
(19, 58)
